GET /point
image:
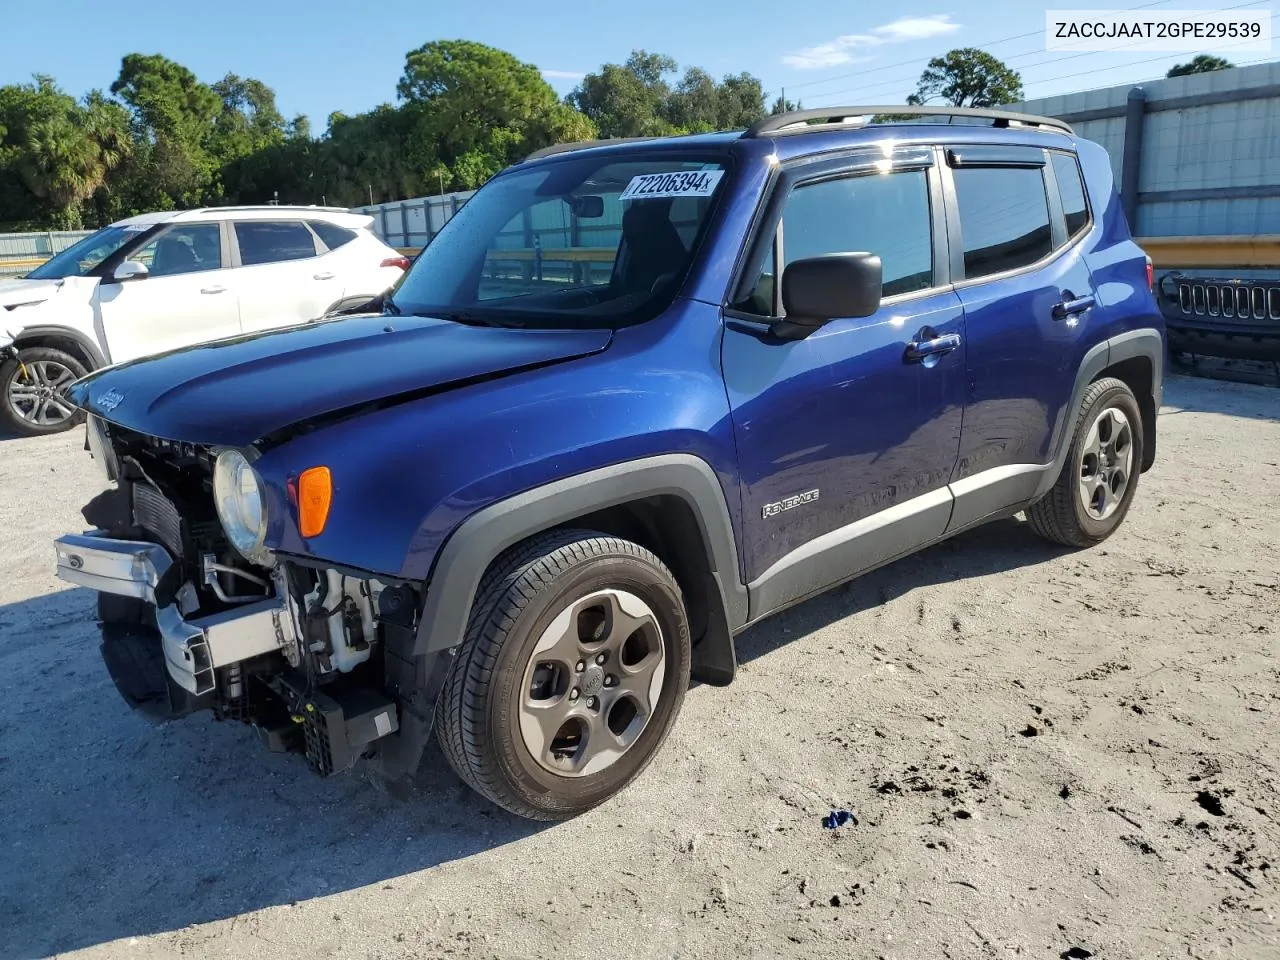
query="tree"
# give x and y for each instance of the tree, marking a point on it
(476, 109)
(627, 100)
(783, 105)
(1204, 63)
(175, 115)
(968, 77)
(58, 150)
(634, 99)
(248, 121)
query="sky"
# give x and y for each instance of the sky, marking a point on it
(338, 55)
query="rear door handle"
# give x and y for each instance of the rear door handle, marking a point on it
(1069, 308)
(928, 351)
(326, 275)
(214, 289)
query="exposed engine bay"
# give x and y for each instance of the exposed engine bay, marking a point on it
(307, 655)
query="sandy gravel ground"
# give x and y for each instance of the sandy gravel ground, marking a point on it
(1049, 753)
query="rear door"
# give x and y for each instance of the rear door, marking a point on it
(1028, 298)
(279, 275)
(187, 297)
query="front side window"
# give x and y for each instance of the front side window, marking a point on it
(581, 241)
(83, 256)
(271, 241)
(885, 214)
(189, 248)
(1004, 218)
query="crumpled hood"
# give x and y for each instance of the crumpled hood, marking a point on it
(233, 392)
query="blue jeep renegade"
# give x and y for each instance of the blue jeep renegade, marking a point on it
(635, 397)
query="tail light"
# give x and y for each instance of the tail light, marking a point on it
(1151, 275)
(401, 262)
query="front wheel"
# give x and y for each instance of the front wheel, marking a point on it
(33, 387)
(571, 674)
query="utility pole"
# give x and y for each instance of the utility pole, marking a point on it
(370, 186)
(440, 174)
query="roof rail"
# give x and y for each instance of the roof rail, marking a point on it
(800, 121)
(555, 148)
(267, 206)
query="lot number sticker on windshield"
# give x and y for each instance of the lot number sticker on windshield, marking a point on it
(654, 186)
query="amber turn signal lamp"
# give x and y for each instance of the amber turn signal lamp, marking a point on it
(315, 493)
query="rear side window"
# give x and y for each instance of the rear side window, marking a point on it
(269, 241)
(333, 235)
(1004, 218)
(1066, 170)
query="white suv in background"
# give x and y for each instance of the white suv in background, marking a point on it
(161, 281)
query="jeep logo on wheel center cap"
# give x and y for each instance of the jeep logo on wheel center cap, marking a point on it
(592, 680)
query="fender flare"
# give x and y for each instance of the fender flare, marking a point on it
(90, 348)
(479, 539)
(1148, 343)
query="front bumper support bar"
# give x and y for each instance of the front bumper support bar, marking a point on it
(193, 649)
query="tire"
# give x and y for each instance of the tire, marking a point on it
(1085, 505)
(486, 723)
(45, 367)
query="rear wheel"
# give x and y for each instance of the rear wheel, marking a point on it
(572, 672)
(1092, 494)
(33, 389)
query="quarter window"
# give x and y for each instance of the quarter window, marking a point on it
(333, 235)
(1066, 170)
(189, 248)
(1004, 218)
(270, 241)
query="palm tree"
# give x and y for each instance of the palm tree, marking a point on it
(65, 156)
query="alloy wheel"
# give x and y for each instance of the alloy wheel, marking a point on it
(1106, 463)
(37, 392)
(592, 683)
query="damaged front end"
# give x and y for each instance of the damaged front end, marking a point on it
(317, 660)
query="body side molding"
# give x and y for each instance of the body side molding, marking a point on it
(844, 553)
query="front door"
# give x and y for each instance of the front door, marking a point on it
(847, 439)
(186, 297)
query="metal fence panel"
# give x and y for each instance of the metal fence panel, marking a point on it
(1210, 148)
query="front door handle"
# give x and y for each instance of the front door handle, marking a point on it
(928, 351)
(213, 289)
(326, 275)
(1071, 307)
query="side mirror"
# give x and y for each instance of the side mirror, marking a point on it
(818, 290)
(130, 270)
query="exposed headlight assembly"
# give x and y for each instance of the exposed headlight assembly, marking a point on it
(242, 507)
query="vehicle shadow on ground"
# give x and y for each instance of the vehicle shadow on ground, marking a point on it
(989, 549)
(114, 827)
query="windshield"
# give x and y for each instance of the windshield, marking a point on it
(80, 258)
(589, 241)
